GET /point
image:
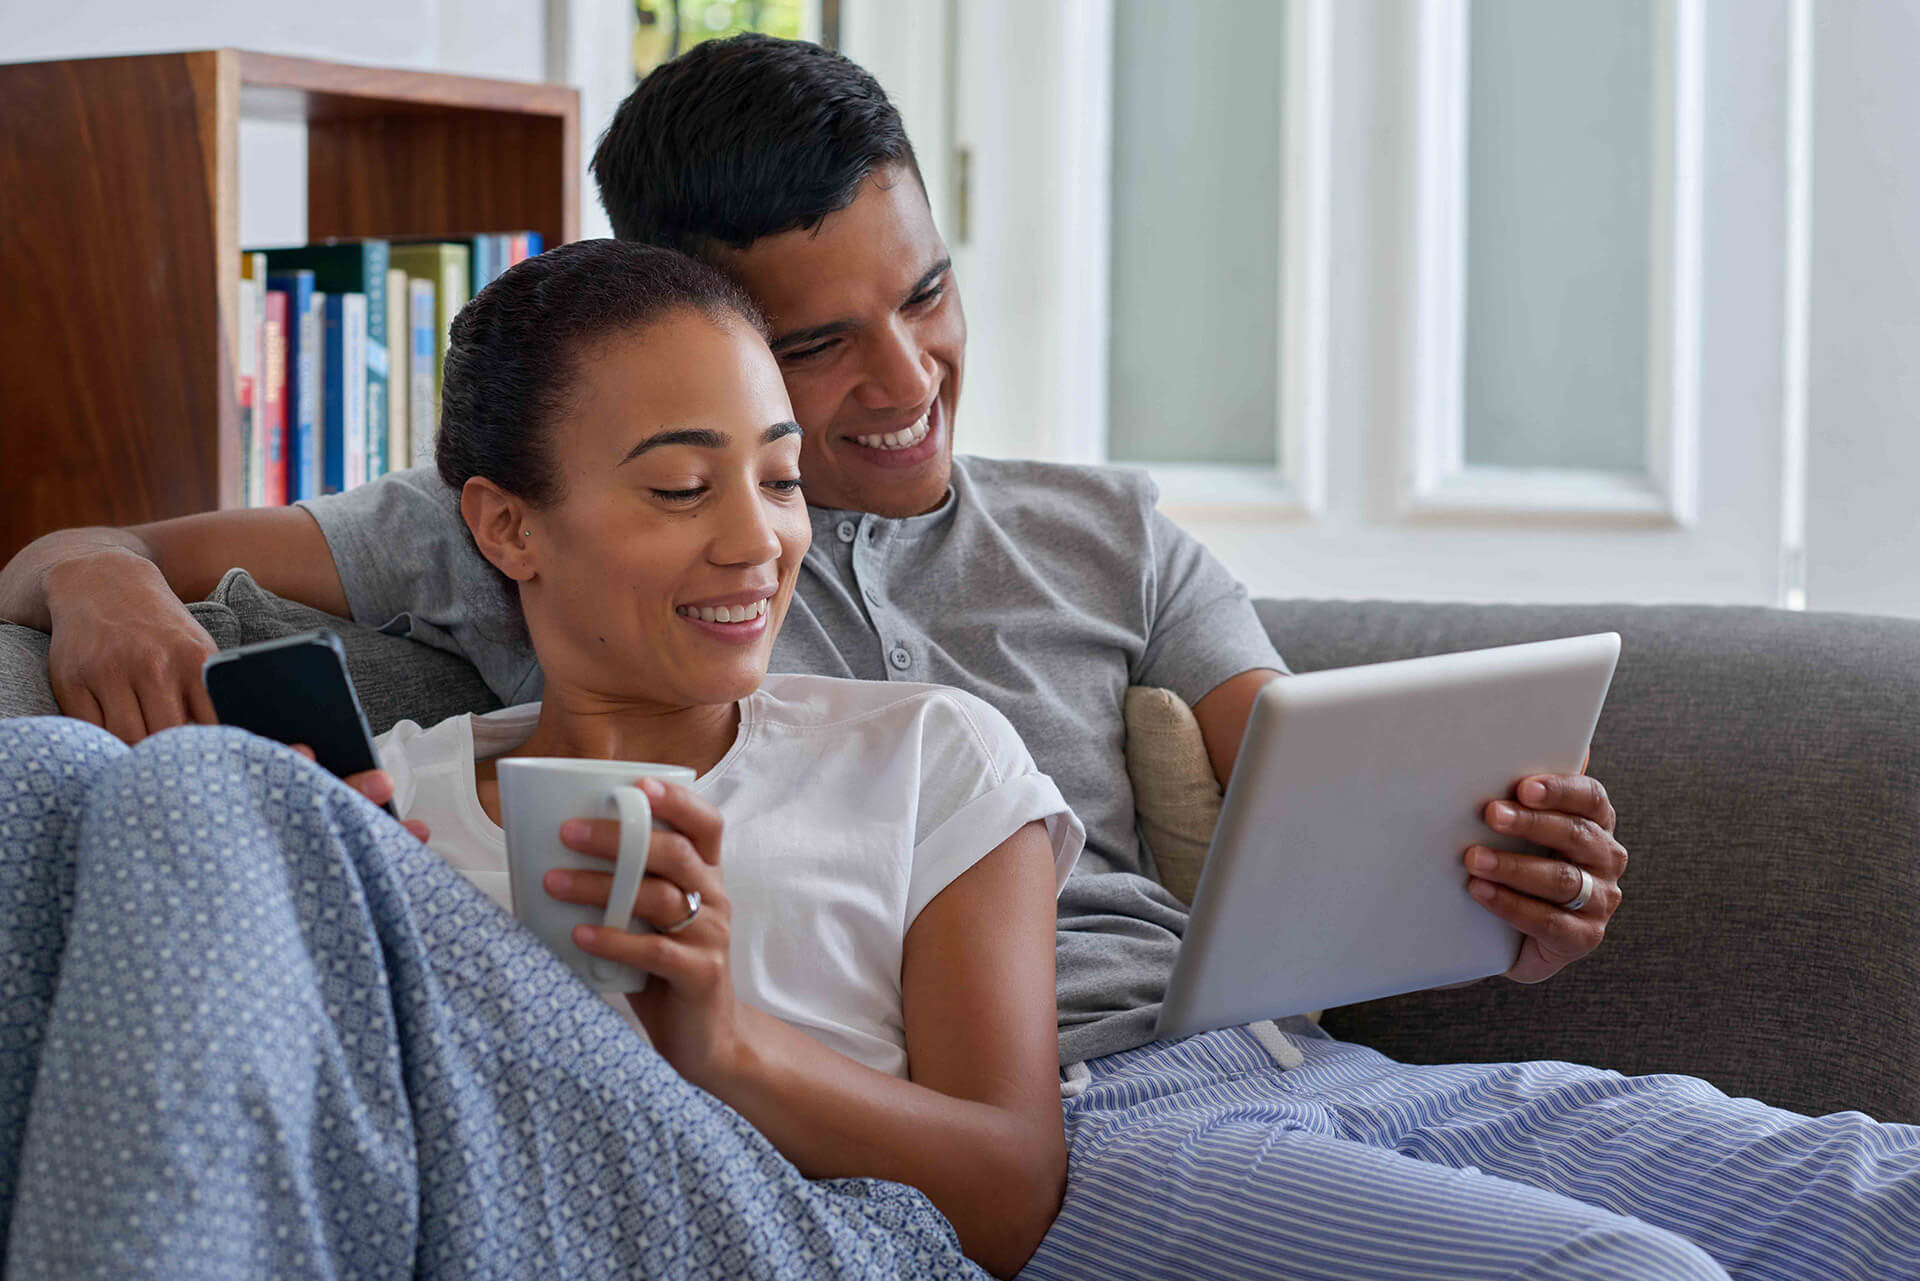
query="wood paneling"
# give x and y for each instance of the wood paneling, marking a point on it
(110, 283)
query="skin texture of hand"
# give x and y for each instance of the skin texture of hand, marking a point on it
(688, 1008)
(131, 680)
(1570, 815)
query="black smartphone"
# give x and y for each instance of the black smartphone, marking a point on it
(295, 690)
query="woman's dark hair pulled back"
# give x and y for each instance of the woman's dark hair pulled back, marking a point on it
(515, 350)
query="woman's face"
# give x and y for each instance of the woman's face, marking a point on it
(680, 509)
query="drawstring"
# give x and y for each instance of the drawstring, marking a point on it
(1074, 1079)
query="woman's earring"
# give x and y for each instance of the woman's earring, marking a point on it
(526, 533)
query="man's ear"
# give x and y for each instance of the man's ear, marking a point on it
(498, 521)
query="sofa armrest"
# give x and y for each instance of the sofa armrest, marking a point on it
(1766, 772)
(24, 690)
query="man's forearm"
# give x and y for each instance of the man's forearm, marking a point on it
(24, 592)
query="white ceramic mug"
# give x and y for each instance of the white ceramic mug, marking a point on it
(537, 795)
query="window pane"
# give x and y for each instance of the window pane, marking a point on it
(1559, 168)
(1196, 232)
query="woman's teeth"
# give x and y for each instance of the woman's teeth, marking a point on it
(726, 613)
(905, 438)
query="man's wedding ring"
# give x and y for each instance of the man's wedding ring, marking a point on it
(693, 908)
(1573, 904)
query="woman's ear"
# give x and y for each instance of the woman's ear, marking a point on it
(500, 526)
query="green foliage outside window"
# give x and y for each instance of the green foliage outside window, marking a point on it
(670, 27)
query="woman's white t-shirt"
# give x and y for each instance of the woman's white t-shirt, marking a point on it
(849, 806)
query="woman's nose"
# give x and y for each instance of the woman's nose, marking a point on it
(746, 537)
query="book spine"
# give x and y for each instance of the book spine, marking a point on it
(257, 327)
(248, 372)
(359, 398)
(313, 376)
(399, 385)
(333, 400)
(453, 296)
(273, 344)
(378, 360)
(423, 305)
(306, 333)
(536, 244)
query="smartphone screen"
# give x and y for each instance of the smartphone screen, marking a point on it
(295, 690)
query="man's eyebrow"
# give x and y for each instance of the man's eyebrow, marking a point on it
(834, 328)
(706, 438)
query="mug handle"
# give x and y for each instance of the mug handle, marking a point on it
(636, 835)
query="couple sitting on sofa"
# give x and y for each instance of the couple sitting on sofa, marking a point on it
(402, 1079)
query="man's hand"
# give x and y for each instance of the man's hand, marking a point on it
(1570, 815)
(125, 653)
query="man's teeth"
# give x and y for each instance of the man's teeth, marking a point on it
(905, 438)
(726, 613)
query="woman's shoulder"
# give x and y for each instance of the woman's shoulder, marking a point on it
(823, 704)
(497, 730)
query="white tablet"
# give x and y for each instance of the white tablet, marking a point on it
(1335, 873)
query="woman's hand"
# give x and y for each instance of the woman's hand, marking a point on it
(688, 1009)
(1570, 815)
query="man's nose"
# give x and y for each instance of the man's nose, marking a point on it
(899, 373)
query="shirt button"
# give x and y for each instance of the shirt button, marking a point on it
(873, 597)
(900, 659)
(846, 531)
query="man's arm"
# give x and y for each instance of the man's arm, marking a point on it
(125, 653)
(1223, 717)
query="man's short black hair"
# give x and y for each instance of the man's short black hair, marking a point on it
(742, 138)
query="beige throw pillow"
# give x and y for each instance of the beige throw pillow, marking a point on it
(1174, 790)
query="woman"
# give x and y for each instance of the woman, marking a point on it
(258, 1030)
(625, 456)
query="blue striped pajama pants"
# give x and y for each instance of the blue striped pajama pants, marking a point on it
(1203, 1158)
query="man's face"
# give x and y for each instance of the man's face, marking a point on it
(870, 338)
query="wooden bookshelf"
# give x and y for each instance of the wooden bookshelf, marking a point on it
(119, 199)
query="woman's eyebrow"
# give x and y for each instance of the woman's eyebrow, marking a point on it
(698, 437)
(705, 438)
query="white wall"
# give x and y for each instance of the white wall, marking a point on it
(1863, 461)
(504, 38)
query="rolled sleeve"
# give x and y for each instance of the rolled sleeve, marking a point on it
(977, 828)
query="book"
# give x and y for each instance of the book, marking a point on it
(423, 409)
(345, 435)
(257, 434)
(273, 400)
(449, 266)
(480, 263)
(305, 328)
(399, 388)
(354, 267)
(246, 375)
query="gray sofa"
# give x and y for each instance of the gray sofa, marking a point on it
(1766, 769)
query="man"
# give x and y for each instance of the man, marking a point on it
(1046, 590)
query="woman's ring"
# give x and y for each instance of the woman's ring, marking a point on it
(1573, 904)
(693, 909)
